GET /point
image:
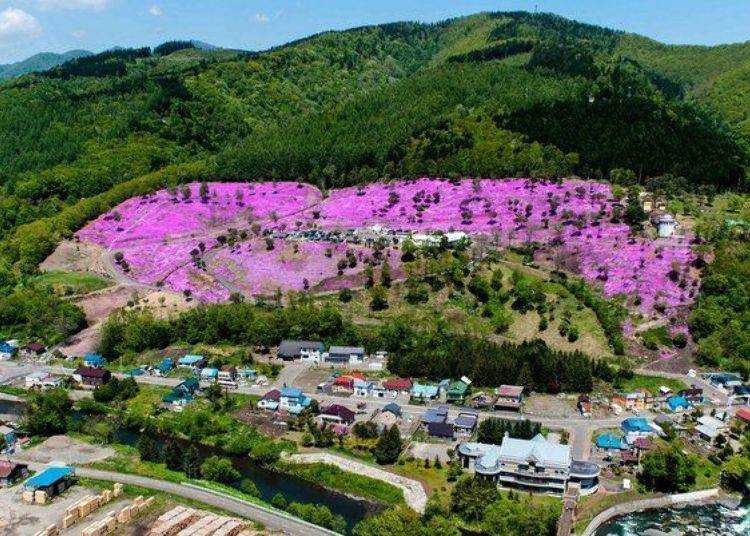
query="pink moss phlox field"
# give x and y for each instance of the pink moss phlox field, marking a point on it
(572, 219)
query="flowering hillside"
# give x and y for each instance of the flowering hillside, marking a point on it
(182, 239)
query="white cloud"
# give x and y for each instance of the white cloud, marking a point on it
(93, 5)
(262, 18)
(156, 11)
(78, 33)
(16, 23)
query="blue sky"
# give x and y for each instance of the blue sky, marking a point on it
(31, 26)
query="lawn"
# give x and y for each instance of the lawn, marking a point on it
(333, 477)
(707, 474)
(436, 480)
(652, 383)
(72, 283)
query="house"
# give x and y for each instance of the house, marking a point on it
(209, 374)
(293, 400)
(389, 415)
(378, 391)
(628, 458)
(482, 400)
(8, 433)
(392, 408)
(509, 397)
(362, 387)
(664, 391)
(533, 465)
(439, 414)
(182, 395)
(91, 377)
(693, 395)
(665, 226)
(710, 428)
(609, 442)
(191, 361)
(310, 350)
(270, 400)
(227, 377)
(343, 384)
(643, 444)
(466, 422)
(678, 403)
(93, 361)
(164, 367)
(457, 391)
(337, 414)
(743, 414)
(399, 386)
(345, 354)
(441, 430)
(638, 427)
(584, 405)
(33, 349)
(422, 392)
(52, 481)
(11, 472)
(724, 380)
(7, 351)
(42, 380)
(638, 399)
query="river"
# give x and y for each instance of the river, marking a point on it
(295, 489)
(703, 520)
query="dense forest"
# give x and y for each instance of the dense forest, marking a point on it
(494, 94)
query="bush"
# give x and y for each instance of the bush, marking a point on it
(345, 295)
(679, 340)
(219, 470)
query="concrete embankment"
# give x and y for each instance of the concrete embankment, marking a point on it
(702, 496)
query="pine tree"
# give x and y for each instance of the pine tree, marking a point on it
(388, 446)
(191, 462)
(385, 275)
(172, 455)
(148, 447)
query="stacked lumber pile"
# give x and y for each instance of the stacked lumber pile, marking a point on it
(183, 521)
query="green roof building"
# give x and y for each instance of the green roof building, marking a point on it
(457, 391)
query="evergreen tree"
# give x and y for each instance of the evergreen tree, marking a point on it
(388, 446)
(148, 447)
(172, 455)
(191, 462)
(385, 275)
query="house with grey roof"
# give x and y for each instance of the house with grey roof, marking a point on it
(532, 465)
(289, 350)
(345, 354)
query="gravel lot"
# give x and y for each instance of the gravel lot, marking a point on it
(20, 519)
(67, 450)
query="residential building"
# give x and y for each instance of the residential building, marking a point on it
(441, 430)
(610, 442)
(337, 414)
(182, 395)
(378, 391)
(643, 444)
(678, 403)
(457, 391)
(724, 380)
(389, 415)
(466, 422)
(362, 387)
(424, 392)
(8, 433)
(584, 405)
(310, 350)
(293, 400)
(164, 367)
(509, 397)
(533, 465)
(439, 414)
(93, 361)
(270, 400)
(209, 374)
(398, 386)
(52, 481)
(91, 377)
(482, 400)
(392, 408)
(743, 414)
(710, 428)
(228, 377)
(343, 384)
(693, 395)
(639, 427)
(7, 351)
(33, 349)
(42, 380)
(345, 354)
(192, 361)
(638, 399)
(11, 472)
(628, 458)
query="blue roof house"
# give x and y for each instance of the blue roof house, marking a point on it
(165, 366)
(421, 391)
(93, 361)
(209, 374)
(609, 442)
(191, 361)
(7, 351)
(293, 400)
(678, 403)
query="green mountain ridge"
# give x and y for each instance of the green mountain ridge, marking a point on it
(39, 62)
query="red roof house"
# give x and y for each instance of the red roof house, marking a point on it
(399, 384)
(744, 414)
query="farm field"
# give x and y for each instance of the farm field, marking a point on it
(210, 240)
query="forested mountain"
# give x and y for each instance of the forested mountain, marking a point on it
(487, 95)
(39, 62)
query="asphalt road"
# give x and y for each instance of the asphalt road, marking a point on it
(273, 520)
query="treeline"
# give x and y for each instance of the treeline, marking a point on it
(108, 63)
(499, 51)
(493, 430)
(433, 353)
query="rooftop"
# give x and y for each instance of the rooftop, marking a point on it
(48, 477)
(513, 391)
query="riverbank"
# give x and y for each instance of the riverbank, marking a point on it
(666, 501)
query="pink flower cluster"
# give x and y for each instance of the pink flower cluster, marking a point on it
(573, 220)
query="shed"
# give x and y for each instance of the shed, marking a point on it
(52, 480)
